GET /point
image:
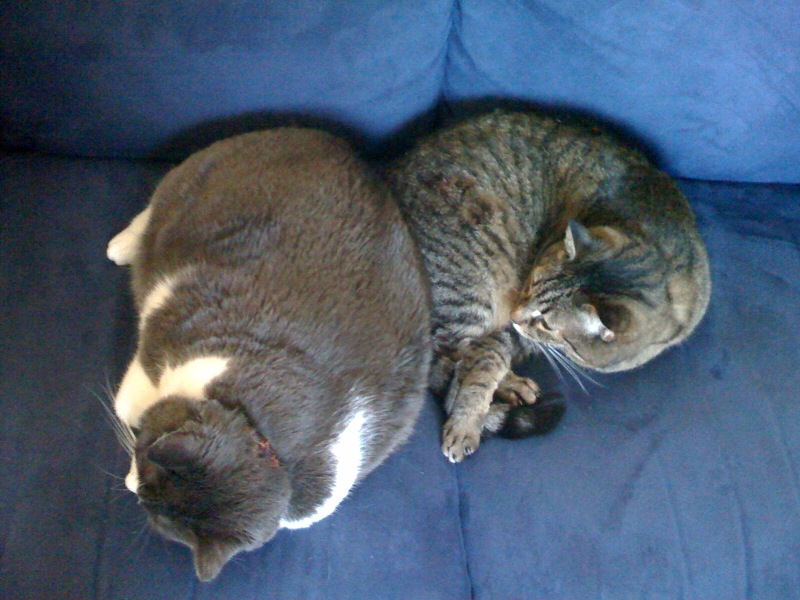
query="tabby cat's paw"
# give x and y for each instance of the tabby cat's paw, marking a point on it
(516, 390)
(460, 438)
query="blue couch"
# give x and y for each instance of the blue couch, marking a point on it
(678, 480)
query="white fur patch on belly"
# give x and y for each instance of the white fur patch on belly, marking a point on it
(347, 451)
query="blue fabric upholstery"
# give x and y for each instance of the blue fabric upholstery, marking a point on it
(164, 77)
(679, 479)
(713, 87)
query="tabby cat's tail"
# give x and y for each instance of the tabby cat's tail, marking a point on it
(510, 421)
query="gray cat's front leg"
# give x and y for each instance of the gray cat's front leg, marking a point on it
(484, 363)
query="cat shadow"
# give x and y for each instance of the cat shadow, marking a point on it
(384, 148)
(376, 148)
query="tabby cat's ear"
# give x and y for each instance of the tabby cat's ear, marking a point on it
(593, 325)
(175, 451)
(577, 239)
(210, 556)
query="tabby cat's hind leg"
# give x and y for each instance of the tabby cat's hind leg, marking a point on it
(513, 422)
(441, 374)
(123, 247)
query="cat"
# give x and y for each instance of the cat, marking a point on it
(540, 234)
(283, 340)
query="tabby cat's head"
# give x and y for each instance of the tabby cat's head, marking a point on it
(207, 480)
(580, 299)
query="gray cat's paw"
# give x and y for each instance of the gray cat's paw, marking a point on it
(123, 247)
(460, 438)
(516, 390)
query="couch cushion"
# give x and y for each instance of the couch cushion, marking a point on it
(713, 88)
(164, 77)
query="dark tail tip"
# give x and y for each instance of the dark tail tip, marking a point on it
(534, 419)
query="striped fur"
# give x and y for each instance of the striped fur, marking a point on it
(542, 234)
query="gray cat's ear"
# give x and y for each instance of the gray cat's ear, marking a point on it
(593, 325)
(577, 239)
(175, 451)
(210, 556)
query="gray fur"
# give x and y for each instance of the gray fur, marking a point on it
(298, 266)
(540, 234)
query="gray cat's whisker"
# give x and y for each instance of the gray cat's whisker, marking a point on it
(123, 433)
(110, 474)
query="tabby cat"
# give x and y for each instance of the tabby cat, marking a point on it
(539, 234)
(283, 342)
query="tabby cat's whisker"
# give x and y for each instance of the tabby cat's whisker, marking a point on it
(575, 370)
(550, 359)
(560, 360)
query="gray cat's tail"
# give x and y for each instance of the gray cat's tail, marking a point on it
(513, 422)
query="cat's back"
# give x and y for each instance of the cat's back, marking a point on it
(522, 156)
(237, 201)
(288, 230)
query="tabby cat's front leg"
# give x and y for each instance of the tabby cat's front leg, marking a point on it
(484, 363)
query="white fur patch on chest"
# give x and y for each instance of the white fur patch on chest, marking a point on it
(137, 393)
(348, 452)
(191, 378)
(156, 298)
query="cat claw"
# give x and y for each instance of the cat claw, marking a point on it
(459, 440)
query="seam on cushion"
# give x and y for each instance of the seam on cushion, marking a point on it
(100, 543)
(452, 36)
(462, 535)
(103, 531)
(442, 107)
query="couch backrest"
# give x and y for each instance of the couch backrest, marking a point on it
(712, 88)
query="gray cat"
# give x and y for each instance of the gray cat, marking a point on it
(539, 234)
(283, 343)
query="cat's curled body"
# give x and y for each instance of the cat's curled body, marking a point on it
(539, 234)
(283, 343)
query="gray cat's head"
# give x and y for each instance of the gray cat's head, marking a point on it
(206, 479)
(588, 296)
